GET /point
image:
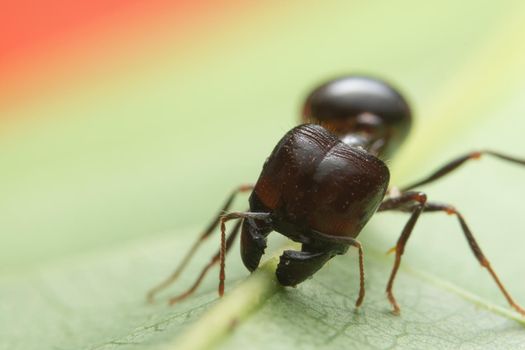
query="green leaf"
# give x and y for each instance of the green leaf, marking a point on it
(320, 315)
(91, 220)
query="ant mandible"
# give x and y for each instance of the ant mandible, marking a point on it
(323, 182)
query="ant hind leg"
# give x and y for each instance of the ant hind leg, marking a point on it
(456, 163)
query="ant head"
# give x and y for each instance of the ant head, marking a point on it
(360, 107)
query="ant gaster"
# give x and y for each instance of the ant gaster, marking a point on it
(323, 182)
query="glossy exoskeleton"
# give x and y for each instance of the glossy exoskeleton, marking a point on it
(325, 179)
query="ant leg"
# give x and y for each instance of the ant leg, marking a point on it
(223, 220)
(449, 167)
(434, 207)
(415, 202)
(229, 242)
(173, 277)
(403, 204)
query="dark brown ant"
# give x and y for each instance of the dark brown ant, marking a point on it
(323, 182)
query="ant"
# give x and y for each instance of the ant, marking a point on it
(322, 183)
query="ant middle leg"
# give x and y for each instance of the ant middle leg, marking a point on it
(474, 246)
(419, 205)
(204, 235)
(456, 163)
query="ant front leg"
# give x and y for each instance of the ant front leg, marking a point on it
(207, 232)
(415, 202)
(419, 205)
(451, 166)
